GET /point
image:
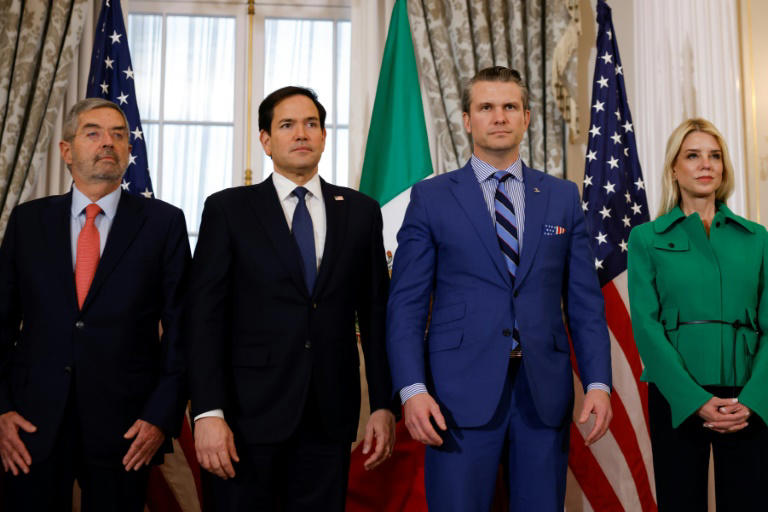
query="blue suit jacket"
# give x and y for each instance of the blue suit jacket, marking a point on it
(447, 249)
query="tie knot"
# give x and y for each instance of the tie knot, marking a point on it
(91, 211)
(501, 176)
(300, 192)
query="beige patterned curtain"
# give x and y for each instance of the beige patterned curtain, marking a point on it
(453, 39)
(38, 39)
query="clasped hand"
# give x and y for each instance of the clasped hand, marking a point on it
(724, 415)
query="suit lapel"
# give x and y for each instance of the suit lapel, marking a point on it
(128, 220)
(270, 215)
(470, 197)
(536, 200)
(58, 233)
(335, 229)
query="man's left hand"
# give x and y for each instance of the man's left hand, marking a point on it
(381, 426)
(147, 438)
(596, 402)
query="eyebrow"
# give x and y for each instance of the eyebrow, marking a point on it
(94, 125)
(291, 119)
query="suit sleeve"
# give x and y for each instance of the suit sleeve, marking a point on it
(754, 395)
(372, 310)
(165, 407)
(206, 326)
(412, 283)
(10, 309)
(583, 303)
(663, 364)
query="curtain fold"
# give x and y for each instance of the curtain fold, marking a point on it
(453, 39)
(38, 42)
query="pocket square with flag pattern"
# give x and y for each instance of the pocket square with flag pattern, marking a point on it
(553, 230)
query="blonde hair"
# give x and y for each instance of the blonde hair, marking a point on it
(670, 189)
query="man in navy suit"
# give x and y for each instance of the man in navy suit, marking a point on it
(89, 390)
(498, 247)
(283, 270)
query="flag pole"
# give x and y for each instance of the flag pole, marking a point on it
(248, 177)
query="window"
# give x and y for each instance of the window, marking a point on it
(190, 60)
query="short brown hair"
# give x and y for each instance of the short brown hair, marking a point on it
(86, 105)
(494, 74)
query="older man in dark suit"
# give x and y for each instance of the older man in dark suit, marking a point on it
(281, 273)
(88, 389)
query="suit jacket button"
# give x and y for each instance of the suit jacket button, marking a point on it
(517, 292)
(506, 332)
(307, 344)
(314, 305)
(79, 324)
(68, 369)
(671, 244)
(717, 224)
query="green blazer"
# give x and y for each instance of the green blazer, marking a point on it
(677, 274)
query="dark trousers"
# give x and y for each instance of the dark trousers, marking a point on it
(48, 486)
(306, 473)
(681, 460)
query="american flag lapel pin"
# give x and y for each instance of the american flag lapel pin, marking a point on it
(338, 198)
(536, 189)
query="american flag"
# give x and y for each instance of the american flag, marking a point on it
(175, 485)
(111, 77)
(617, 472)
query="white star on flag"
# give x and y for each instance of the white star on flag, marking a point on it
(629, 197)
(598, 106)
(618, 114)
(104, 87)
(603, 82)
(598, 264)
(607, 58)
(123, 98)
(619, 70)
(137, 134)
(115, 37)
(627, 127)
(594, 131)
(609, 187)
(623, 245)
(601, 238)
(592, 155)
(109, 62)
(128, 73)
(131, 159)
(587, 180)
(605, 212)
(584, 205)
(636, 208)
(627, 221)
(616, 138)
(640, 184)
(613, 162)
(126, 185)
(147, 193)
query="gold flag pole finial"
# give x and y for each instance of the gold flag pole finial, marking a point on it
(248, 175)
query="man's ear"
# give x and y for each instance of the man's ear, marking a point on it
(65, 149)
(266, 142)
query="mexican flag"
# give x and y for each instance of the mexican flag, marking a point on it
(396, 157)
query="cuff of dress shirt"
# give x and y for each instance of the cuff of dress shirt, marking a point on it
(414, 389)
(599, 385)
(215, 413)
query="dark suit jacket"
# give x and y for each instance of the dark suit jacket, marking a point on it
(109, 354)
(448, 249)
(260, 343)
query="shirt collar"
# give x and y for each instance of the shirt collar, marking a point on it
(666, 221)
(108, 203)
(285, 187)
(484, 170)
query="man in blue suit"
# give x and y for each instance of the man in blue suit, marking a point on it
(502, 251)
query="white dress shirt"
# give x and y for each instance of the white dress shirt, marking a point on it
(288, 201)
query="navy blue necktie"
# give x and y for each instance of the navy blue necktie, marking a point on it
(304, 234)
(506, 232)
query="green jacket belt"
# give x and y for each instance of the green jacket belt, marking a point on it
(697, 304)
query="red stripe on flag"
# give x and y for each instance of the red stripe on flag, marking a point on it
(620, 325)
(160, 498)
(187, 443)
(595, 486)
(395, 486)
(624, 434)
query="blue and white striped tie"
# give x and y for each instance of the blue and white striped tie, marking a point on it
(506, 232)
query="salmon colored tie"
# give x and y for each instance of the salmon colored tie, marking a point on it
(87, 253)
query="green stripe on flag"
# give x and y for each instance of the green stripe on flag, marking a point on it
(397, 151)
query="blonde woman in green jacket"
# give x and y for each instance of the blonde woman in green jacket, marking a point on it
(698, 296)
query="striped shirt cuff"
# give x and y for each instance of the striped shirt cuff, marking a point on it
(414, 389)
(599, 385)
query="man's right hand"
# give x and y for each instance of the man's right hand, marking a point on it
(12, 450)
(215, 446)
(418, 411)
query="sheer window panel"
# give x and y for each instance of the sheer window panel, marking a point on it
(300, 52)
(145, 32)
(342, 156)
(200, 68)
(152, 141)
(343, 50)
(197, 161)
